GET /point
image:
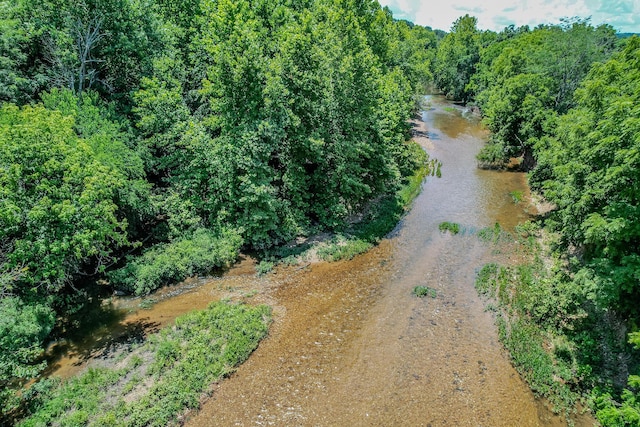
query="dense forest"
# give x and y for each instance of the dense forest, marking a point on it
(145, 141)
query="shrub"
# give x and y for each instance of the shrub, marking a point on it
(451, 227)
(424, 291)
(175, 261)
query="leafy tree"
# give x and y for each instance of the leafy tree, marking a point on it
(529, 77)
(15, 38)
(58, 210)
(413, 51)
(590, 171)
(614, 414)
(107, 45)
(23, 328)
(293, 115)
(456, 59)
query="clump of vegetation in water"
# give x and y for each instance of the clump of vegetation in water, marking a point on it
(147, 303)
(493, 234)
(424, 291)
(343, 248)
(162, 378)
(264, 267)
(516, 196)
(451, 227)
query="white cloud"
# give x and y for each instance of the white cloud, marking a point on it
(624, 15)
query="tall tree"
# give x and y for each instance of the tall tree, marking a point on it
(58, 211)
(529, 78)
(457, 56)
(589, 169)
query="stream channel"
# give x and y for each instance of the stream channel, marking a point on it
(350, 343)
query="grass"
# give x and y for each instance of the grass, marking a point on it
(342, 247)
(567, 348)
(147, 303)
(451, 227)
(516, 196)
(494, 234)
(523, 335)
(173, 262)
(424, 291)
(264, 267)
(157, 382)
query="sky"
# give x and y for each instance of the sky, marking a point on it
(622, 15)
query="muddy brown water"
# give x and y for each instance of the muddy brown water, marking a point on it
(350, 343)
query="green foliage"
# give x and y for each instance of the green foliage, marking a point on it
(381, 217)
(173, 262)
(493, 234)
(424, 291)
(451, 227)
(162, 119)
(58, 200)
(614, 414)
(15, 85)
(106, 45)
(526, 78)
(625, 411)
(456, 59)
(112, 146)
(543, 373)
(165, 376)
(487, 279)
(297, 110)
(413, 50)
(23, 328)
(589, 169)
(343, 248)
(534, 310)
(264, 267)
(516, 196)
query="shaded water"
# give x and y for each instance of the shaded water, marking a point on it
(350, 344)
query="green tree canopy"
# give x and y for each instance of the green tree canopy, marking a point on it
(590, 170)
(528, 78)
(57, 209)
(456, 59)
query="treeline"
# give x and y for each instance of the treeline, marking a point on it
(564, 100)
(143, 141)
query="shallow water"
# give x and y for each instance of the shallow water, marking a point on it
(350, 343)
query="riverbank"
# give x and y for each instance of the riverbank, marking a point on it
(155, 381)
(351, 341)
(570, 351)
(135, 320)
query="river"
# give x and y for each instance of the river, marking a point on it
(350, 343)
